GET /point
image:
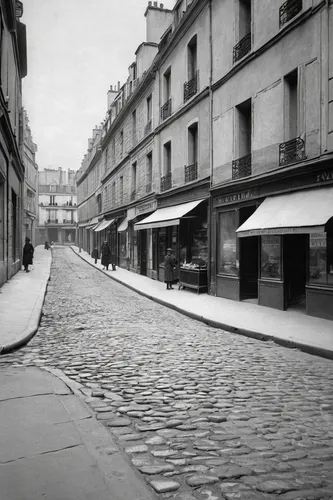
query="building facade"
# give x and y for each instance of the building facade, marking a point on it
(30, 196)
(57, 206)
(13, 67)
(220, 145)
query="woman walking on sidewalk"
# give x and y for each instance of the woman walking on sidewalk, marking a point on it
(28, 254)
(169, 264)
(105, 255)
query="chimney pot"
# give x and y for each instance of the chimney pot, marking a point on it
(161, 6)
(155, 4)
(150, 4)
(118, 86)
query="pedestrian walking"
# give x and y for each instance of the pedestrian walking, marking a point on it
(46, 246)
(169, 264)
(94, 254)
(105, 255)
(28, 254)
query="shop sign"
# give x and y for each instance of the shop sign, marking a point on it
(325, 176)
(234, 198)
(146, 207)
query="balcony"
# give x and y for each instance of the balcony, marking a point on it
(191, 87)
(71, 222)
(242, 167)
(242, 48)
(51, 221)
(133, 195)
(166, 110)
(292, 151)
(166, 182)
(148, 187)
(191, 172)
(148, 127)
(288, 10)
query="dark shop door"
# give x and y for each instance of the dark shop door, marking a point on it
(143, 252)
(249, 267)
(295, 249)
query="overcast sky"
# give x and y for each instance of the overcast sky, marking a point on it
(76, 50)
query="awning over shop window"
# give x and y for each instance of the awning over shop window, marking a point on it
(103, 225)
(168, 216)
(93, 223)
(295, 213)
(123, 226)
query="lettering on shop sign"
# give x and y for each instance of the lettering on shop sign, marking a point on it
(147, 207)
(233, 198)
(325, 176)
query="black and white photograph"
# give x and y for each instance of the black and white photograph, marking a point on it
(166, 250)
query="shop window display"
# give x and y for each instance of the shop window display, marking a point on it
(321, 258)
(228, 262)
(271, 257)
(123, 244)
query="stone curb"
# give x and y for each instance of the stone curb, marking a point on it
(33, 324)
(291, 344)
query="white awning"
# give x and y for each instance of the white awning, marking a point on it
(123, 226)
(103, 225)
(303, 212)
(168, 216)
(93, 223)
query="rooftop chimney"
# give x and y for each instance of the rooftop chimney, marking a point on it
(158, 20)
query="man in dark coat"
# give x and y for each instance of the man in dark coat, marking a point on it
(169, 264)
(105, 255)
(28, 254)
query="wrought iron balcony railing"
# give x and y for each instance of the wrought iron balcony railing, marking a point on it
(148, 127)
(51, 221)
(166, 110)
(242, 167)
(68, 221)
(133, 194)
(191, 87)
(288, 10)
(166, 181)
(292, 151)
(148, 187)
(191, 172)
(242, 47)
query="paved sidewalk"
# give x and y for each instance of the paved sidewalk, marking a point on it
(53, 447)
(21, 302)
(289, 328)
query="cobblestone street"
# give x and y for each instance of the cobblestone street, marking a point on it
(202, 414)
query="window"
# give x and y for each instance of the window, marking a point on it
(133, 180)
(191, 170)
(121, 190)
(242, 167)
(106, 159)
(121, 140)
(289, 9)
(192, 58)
(149, 108)
(113, 193)
(244, 30)
(149, 172)
(134, 127)
(167, 85)
(123, 244)
(227, 252)
(271, 257)
(321, 258)
(167, 158)
(291, 105)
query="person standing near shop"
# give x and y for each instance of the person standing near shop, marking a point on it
(169, 265)
(28, 254)
(105, 255)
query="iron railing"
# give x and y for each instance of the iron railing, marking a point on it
(292, 151)
(166, 110)
(191, 172)
(242, 167)
(166, 182)
(191, 87)
(242, 47)
(288, 10)
(148, 187)
(51, 221)
(148, 127)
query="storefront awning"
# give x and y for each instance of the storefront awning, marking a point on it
(123, 226)
(103, 225)
(295, 213)
(168, 216)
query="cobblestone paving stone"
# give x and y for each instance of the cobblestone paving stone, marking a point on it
(201, 413)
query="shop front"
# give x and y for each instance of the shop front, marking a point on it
(183, 228)
(274, 246)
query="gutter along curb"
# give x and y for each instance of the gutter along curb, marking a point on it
(291, 344)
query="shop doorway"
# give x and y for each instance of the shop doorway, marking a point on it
(295, 260)
(248, 259)
(143, 252)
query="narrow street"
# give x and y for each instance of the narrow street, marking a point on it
(200, 413)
